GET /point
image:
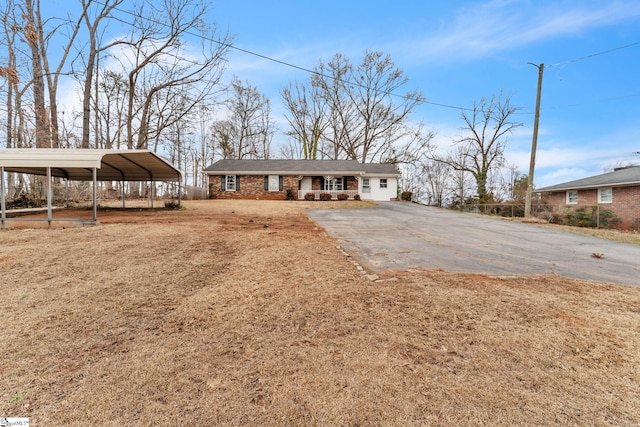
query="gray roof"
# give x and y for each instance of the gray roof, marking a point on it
(299, 167)
(78, 164)
(621, 177)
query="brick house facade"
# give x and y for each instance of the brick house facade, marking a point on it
(293, 179)
(252, 187)
(617, 192)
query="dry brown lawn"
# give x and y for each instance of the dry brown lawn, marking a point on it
(246, 313)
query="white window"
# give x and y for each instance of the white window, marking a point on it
(605, 195)
(572, 197)
(230, 183)
(333, 184)
(366, 185)
(274, 183)
(383, 182)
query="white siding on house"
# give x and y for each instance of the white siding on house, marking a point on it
(305, 184)
(377, 192)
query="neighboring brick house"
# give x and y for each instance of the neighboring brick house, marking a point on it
(617, 192)
(272, 179)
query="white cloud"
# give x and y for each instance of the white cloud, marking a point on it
(490, 28)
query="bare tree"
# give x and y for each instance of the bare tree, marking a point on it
(307, 116)
(10, 74)
(332, 80)
(247, 131)
(94, 50)
(162, 63)
(10, 71)
(110, 109)
(383, 119)
(355, 112)
(488, 124)
(31, 29)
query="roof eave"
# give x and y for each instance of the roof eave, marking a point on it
(589, 187)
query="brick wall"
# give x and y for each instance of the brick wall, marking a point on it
(626, 203)
(252, 187)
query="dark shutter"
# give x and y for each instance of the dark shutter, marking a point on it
(222, 183)
(266, 183)
(237, 182)
(322, 183)
(344, 183)
(280, 182)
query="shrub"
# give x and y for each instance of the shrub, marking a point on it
(406, 195)
(356, 197)
(310, 197)
(342, 196)
(172, 204)
(290, 194)
(586, 216)
(325, 197)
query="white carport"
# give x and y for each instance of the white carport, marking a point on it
(85, 165)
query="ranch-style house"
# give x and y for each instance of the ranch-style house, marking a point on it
(617, 192)
(273, 179)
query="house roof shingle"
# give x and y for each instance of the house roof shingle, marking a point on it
(618, 178)
(299, 167)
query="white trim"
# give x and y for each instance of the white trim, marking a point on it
(273, 183)
(609, 192)
(227, 181)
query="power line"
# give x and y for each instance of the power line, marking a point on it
(314, 72)
(278, 61)
(594, 54)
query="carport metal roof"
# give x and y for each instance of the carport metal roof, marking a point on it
(85, 165)
(78, 164)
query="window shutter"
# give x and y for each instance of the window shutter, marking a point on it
(266, 183)
(344, 183)
(222, 183)
(237, 182)
(280, 182)
(322, 183)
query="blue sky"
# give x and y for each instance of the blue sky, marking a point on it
(456, 52)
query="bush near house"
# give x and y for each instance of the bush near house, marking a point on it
(406, 195)
(325, 197)
(586, 216)
(356, 197)
(290, 194)
(342, 196)
(309, 197)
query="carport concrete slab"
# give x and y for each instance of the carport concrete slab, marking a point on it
(400, 235)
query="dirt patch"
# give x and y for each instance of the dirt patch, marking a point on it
(246, 313)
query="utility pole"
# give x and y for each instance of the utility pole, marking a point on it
(534, 144)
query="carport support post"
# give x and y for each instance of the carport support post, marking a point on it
(179, 194)
(123, 194)
(151, 193)
(2, 198)
(66, 191)
(49, 196)
(95, 196)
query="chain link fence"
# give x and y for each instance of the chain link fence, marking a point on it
(594, 216)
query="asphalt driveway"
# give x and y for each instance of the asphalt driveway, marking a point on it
(399, 236)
